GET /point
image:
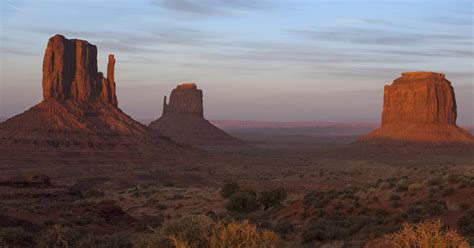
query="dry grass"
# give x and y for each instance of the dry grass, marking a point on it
(427, 234)
(243, 234)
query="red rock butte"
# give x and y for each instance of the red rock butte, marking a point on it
(419, 107)
(79, 108)
(183, 119)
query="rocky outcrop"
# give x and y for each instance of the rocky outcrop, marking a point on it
(70, 71)
(419, 107)
(183, 119)
(185, 99)
(79, 110)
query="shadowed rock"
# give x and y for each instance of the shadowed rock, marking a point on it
(183, 119)
(419, 107)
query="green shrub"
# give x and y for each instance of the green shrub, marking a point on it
(244, 201)
(272, 198)
(229, 189)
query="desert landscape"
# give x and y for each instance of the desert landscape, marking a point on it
(76, 170)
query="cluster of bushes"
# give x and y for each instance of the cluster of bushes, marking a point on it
(425, 210)
(247, 200)
(201, 231)
(320, 199)
(334, 226)
(425, 234)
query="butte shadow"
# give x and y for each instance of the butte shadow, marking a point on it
(79, 110)
(183, 120)
(419, 109)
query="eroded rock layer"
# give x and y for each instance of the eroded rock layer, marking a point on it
(419, 107)
(183, 119)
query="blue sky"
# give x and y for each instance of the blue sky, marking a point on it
(255, 60)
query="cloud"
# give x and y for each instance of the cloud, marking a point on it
(210, 7)
(382, 37)
(147, 41)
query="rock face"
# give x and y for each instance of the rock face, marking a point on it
(186, 99)
(70, 72)
(183, 119)
(419, 107)
(79, 110)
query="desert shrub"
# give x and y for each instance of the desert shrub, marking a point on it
(453, 178)
(272, 198)
(243, 234)
(149, 223)
(194, 230)
(401, 185)
(152, 240)
(466, 224)
(94, 193)
(283, 227)
(199, 231)
(433, 207)
(414, 187)
(464, 206)
(448, 191)
(335, 227)
(425, 234)
(394, 198)
(105, 241)
(319, 199)
(58, 236)
(244, 201)
(413, 214)
(434, 180)
(384, 185)
(229, 189)
(15, 237)
(168, 184)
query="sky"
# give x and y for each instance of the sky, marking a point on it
(263, 60)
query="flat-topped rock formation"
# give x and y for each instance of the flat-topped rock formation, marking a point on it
(419, 107)
(183, 119)
(79, 108)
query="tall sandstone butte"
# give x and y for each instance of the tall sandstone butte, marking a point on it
(183, 119)
(419, 107)
(70, 71)
(79, 108)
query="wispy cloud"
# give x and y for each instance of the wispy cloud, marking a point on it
(14, 7)
(210, 7)
(384, 37)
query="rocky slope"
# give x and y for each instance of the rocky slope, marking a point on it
(183, 119)
(419, 107)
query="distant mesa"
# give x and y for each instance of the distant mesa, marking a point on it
(183, 119)
(79, 108)
(419, 107)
